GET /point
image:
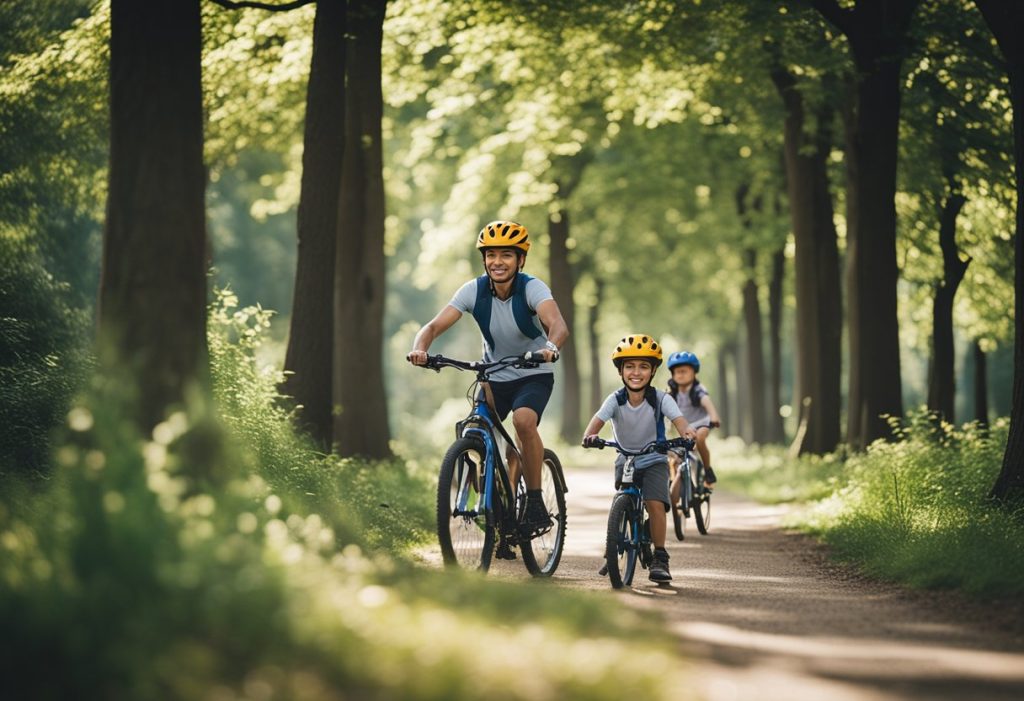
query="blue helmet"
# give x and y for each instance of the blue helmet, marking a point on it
(684, 358)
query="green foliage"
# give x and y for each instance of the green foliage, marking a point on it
(915, 510)
(196, 561)
(43, 357)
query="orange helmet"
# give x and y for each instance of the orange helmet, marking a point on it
(504, 234)
(637, 345)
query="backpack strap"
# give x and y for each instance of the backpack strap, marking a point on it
(482, 308)
(521, 311)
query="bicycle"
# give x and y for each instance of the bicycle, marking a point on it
(628, 538)
(694, 497)
(478, 510)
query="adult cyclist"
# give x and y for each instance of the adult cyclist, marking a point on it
(516, 314)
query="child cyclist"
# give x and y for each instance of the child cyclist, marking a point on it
(636, 412)
(698, 409)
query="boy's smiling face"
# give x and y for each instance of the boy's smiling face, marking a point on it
(637, 373)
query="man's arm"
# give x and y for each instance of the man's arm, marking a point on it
(551, 317)
(434, 328)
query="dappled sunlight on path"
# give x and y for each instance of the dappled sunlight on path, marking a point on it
(763, 614)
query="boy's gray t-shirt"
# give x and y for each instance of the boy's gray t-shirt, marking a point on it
(634, 426)
(695, 415)
(508, 339)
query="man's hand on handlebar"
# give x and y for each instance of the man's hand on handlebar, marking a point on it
(593, 441)
(549, 356)
(417, 357)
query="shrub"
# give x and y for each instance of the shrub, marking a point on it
(42, 357)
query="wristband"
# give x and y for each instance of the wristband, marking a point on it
(551, 346)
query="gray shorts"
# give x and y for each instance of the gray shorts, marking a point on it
(652, 480)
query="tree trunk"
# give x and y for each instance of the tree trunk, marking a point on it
(942, 379)
(562, 286)
(596, 396)
(819, 307)
(742, 368)
(980, 385)
(853, 403)
(877, 34)
(359, 397)
(308, 360)
(1006, 20)
(776, 430)
(755, 353)
(152, 297)
(721, 397)
(755, 407)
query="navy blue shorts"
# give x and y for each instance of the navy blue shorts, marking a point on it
(532, 392)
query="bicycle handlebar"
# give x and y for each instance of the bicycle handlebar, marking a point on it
(659, 446)
(526, 360)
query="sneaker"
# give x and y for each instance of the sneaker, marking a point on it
(709, 477)
(504, 551)
(537, 520)
(659, 567)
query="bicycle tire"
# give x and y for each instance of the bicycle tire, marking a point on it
(466, 541)
(701, 502)
(678, 520)
(542, 554)
(621, 542)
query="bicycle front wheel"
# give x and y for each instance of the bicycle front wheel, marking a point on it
(623, 541)
(464, 530)
(542, 554)
(678, 519)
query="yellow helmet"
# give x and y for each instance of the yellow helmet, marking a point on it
(504, 234)
(637, 345)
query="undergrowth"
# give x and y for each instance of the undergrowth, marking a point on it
(915, 510)
(220, 557)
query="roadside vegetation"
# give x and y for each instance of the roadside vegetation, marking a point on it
(914, 511)
(273, 571)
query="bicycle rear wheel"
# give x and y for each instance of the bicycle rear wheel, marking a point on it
(465, 532)
(623, 542)
(701, 505)
(542, 554)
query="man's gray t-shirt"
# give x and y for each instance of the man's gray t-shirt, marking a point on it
(634, 426)
(508, 339)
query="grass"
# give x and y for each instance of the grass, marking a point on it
(914, 511)
(221, 557)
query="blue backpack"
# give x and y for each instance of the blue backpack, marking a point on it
(520, 309)
(651, 395)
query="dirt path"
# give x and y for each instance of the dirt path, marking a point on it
(765, 615)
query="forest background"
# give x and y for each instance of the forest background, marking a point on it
(821, 199)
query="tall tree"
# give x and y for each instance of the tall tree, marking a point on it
(819, 308)
(877, 34)
(776, 430)
(1006, 20)
(755, 407)
(568, 171)
(980, 384)
(309, 358)
(359, 398)
(152, 299)
(942, 377)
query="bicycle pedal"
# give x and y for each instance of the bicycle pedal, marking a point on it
(603, 571)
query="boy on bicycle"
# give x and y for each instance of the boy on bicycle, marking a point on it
(698, 409)
(636, 412)
(516, 314)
